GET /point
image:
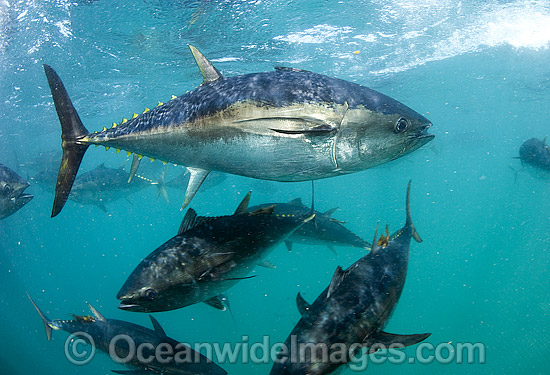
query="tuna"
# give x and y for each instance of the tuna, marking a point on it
(286, 125)
(208, 256)
(352, 311)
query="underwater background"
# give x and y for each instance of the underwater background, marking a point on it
(480, 71)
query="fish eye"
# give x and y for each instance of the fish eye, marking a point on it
(401, 125)
(150, 294)
(7, 189)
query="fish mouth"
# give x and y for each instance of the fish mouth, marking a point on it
(423, 132)
(420, 137)
(25, 198)
(21, 199)
(131, 307)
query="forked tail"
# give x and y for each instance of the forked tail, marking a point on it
(44, 319)
(72, 131)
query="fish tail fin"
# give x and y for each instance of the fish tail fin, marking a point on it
(45, 319)
(72, 131)
(409, 222)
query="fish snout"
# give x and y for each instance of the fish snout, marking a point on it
(423, 132)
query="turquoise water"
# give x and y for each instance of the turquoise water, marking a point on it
(478, 70)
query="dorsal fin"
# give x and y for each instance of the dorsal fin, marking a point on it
(296, 202)
(97, 314)
(330, 212)
(303, 305)
(337, 278)
(208, 71)
(243, 206)
(189, 221)
(192, 220)
(157, 326)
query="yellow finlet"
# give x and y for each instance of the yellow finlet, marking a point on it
(164, 162)
(146, 110)
(124, 120)
(134, 115)
(173, 97)
(104, 128)
(117, 150)
(140, 156)
(384, 239)
(107, 148)
(159, 104)
(152, 160)
(114, 125)
(128, 153)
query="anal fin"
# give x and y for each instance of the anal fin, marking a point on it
(133, 169)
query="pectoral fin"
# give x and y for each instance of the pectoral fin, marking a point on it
(316, 130)
(385, 339)
(291, 125)
(196, 179)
